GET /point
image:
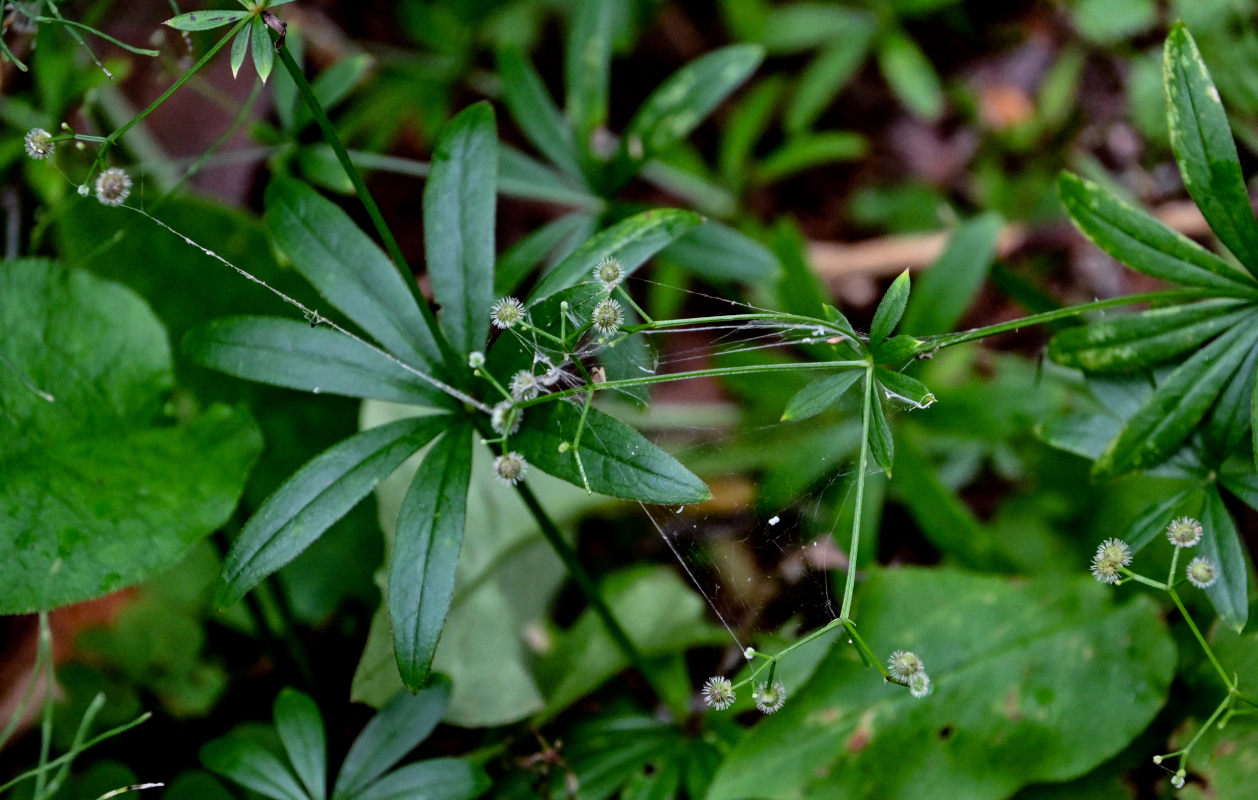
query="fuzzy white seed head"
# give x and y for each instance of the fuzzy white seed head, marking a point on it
(505, 418)
(510, 468)
(1184, 532)
(1202, 573)
(607, 317)
(506, 312)
(903, 665)
(39, 144)
(718, 693)
(609, 273)
(523, 385)
(919, 685)
(1111, 556)
(84, 190)
(113, 186)
(476, 359)
(769, 698)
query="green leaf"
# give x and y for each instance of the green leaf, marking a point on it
(1145, 339)
(720, 252)
(903, 388)
(240, 46)
(433, 779)
(349, 270)
(527, 178)
(746, 123)
(1143, 243)
(284, 352)
(810, 150)
(1228, 424)
(403, 723)
(1153, 521)
(587, 68)
(1221, 545)
(91, 502)
(945, 290)
(514, 265)
(1171, 413)
(534, 111)
(459, 204)
(317, 495)
(681, 102)
(890, 309)
(796, 27)
(204, 20)
(827, 74)
(426, 553)
(263, 51)
(1202, 142)
(631, 241)
(300, 728)
(910, 75)
(248, 764)
(881, 443)
(819, 395)
(1018, 699)
(618, 460)
(941, 514)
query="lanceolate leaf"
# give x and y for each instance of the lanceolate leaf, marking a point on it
(403, 723)
(904, 388)
(431, 779)
(317, 495)
(284, 352)
(618, 460)
(1173, 410)
(240, 47)
(300, 728)
(1222, 545)
(820, 394)
(1145, 339)
(252, 767)
(204, 20)
(631, 241)
(890, 309)
(1203, 146)
(680, 103)
(263, 53)
(426, 552)
(348, 269)
(459, 206)
(881, 443)
(945, 291)
(587, 67)
(1229, 420)
(1153, 521)
(534, 111)
(1144, 244)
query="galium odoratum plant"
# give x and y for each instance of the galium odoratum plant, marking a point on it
(1111, 564)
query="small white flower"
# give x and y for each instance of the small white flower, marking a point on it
(1111, 556)
(113, 186)
(39, 144)
(609, 272)
(1184, 532)
(919, 685)
(718, 692)
(506, 312)
(607, 317)
(769, 698)
(523, 385)
(1202, 573)
(510, 468)
(476, 359)
(904, 664)
(505, 418)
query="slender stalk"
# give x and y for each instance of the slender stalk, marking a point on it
(1201, 640)
(56, 762)
(863, 463)
(45, 728)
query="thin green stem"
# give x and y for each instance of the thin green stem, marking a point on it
(1201, 640)
(867, 655)
(767, 316)
(947, 340)
(139, 51)
(56, 762)
(849, 586)
(45, 728)
(1187, 749)
(1146, 581)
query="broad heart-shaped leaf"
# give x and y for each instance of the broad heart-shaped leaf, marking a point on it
(618, 460)
(681, 102)
(1034, 680)
(1145, 339)
(99, 491)
(1202, 142)
(284, 352)
(300, 728)
(534, 111)
(820, 394)
(246, 763)
(459, 204)
(317, 495)
(890, 309)
(1180, 401)
(205, 20)
(1145, 244)
(349, 270)
(631, 241)
(403, 723)
(426, 553)
(1221, 545)
(433, 779)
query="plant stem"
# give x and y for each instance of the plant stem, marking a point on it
(866, 413)
(591, 591)
(1201, 640)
